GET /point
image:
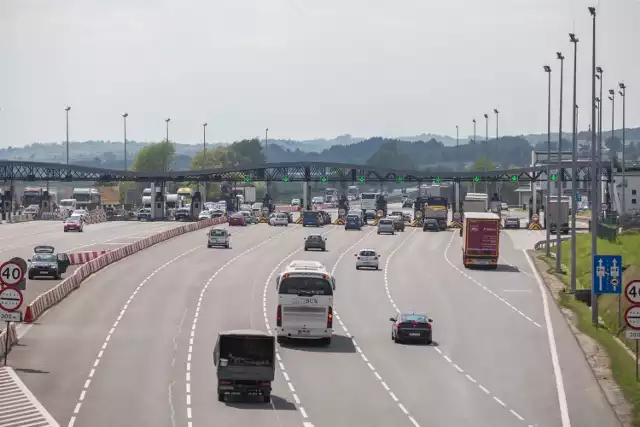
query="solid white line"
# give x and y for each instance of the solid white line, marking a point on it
(555, 360)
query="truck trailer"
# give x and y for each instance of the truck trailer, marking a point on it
(480, 239)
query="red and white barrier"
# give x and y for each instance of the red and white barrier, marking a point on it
(288, 208)
(71, 283)
(13, 338)
(77, 258)
(95, 217)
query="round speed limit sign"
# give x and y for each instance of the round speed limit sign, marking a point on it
(632, 291)
(11, 273)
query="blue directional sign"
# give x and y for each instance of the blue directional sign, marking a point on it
(607, 274)
(578, 198)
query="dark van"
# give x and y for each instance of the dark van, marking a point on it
(311, 218)
(352, 223)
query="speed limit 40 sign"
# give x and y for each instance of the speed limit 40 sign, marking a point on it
(632, 291)
(11, 273)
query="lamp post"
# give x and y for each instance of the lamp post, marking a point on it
(204, 157)
(266, 145)
(559, 170)
(457, 136)
(574, 159)
(612, 153)
(474, 148)
(594, 167)
(547, 70)
(623, 94)
(164, 158)
(67, 109)
(124, 117)
(486, 150)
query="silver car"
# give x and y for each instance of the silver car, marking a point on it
(386, 225)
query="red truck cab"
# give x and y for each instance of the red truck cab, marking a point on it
(481, 239)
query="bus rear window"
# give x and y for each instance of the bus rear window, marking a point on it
(368, 196)
(305, 286)
(310, 214)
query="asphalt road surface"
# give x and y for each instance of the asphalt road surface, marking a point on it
(19, 240)
(134, 346)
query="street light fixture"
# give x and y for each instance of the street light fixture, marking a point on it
(574, 160)
(594, 172)
(623, 94)
(124, 117)
(67, 109)
(559, 169)
(547, 69)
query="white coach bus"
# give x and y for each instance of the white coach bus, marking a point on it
(305, 302)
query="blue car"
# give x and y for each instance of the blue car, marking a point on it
(311, 218)
(352, 223)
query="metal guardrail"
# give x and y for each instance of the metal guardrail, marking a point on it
(542, 244)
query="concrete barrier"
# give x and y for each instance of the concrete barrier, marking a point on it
(50, 298)
(78, 258)
(13, 338)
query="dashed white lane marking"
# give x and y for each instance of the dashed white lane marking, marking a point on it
(92, 372)
(438, 350)
(18, 406)
(197, 314)
(283, 370)
(485, 288)
(371, 367)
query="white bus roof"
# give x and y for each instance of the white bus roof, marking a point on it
(480, 215)
(299, 266)
(471, 196)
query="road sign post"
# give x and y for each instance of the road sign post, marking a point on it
(632, 319)
(11, 273)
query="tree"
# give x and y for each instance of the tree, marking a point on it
(613, 144)
(155, 157)
(482, 164)
(389, 157)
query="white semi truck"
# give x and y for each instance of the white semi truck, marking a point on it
(562, 221)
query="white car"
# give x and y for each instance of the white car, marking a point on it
(218, 237)
(504, 206)
(295, 202)
(280, 218)
(205, 215)
(367, 258)
(79, 212)
(386, 225)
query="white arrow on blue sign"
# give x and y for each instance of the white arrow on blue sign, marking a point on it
(607, 274)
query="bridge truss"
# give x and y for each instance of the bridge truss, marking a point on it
(284, 172)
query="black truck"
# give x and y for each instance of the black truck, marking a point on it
(245, 361)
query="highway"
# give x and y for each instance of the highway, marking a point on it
(134, 346)
(19, 240)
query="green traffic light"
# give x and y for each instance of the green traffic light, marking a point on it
(247, 179)
(362, 180)
(285, 179)
(324, 179)
(553, 177)
(437, 179)
(514, 178)
(476, 178)
(399, 178)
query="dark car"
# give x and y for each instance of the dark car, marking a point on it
(74, 223)
(398, 223)
(182, 214)
(352, 223)
(512, 222)
(407, 204)
(407, 327)
(45, 262)
(237, 219)
(312, 218)
(315, 241)
(431, 225)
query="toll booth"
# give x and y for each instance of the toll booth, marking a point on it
(196, 204)
(45, 203)
(158, 202)
(7, 206)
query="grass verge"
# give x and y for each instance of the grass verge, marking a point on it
(623, 366)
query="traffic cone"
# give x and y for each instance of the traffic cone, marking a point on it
(28, 316)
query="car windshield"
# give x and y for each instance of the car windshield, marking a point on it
(73, 219)
(353, 218)
(385, 221)
(247, 214)
(314, 237)
(44, 258)
(367, 253)
(305, 286)
(420, 318)
(218, 232)
(282, 215)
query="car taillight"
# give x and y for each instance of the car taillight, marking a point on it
(428, 325)
(414, 324)
(224, 382)
(358, 257)
(330, 318)
(279, 316)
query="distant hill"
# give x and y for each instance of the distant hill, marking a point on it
(426, 149)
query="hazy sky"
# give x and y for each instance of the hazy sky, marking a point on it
(302, 68)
